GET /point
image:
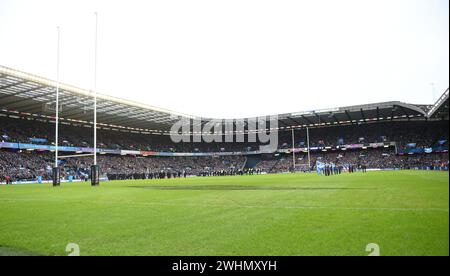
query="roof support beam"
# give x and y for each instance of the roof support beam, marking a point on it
(68, 99)
(283, 123)
(348, 116)
(74, 113)
(308, 120)
(148, 114)
(295, 121)
(21, 92)
(114, 121)
(130, 122)
(36, 108)
(12, 84)
(405, 112)
(78, 111)
(362, 115)
(123, 112)
(100, 109)
(14, 103)
(335, 118)
(320, 118)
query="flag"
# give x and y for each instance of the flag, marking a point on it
(320, 167)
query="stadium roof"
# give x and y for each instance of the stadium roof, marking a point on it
(440, 108)
(32, 95)
(27, 93)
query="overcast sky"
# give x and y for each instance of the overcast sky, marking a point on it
(237, 58)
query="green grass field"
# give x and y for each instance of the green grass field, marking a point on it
(404, 212)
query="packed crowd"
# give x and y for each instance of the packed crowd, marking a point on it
(34, 164)
(24, 166)
(28, 166)
(421, 134)
(372, 159)
(126, 167)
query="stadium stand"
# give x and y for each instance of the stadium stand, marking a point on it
(423, 134)
(134, 140)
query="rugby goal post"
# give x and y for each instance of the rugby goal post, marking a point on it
(95, 169)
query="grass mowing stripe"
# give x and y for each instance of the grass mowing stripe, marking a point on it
(242, 206)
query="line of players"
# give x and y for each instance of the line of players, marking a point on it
(176, 174)
(332, 169)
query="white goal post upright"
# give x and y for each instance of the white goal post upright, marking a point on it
(95, 170)
(309, 153)
(57, 100)
(95, 92)
(293, 150)
(55, 171)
